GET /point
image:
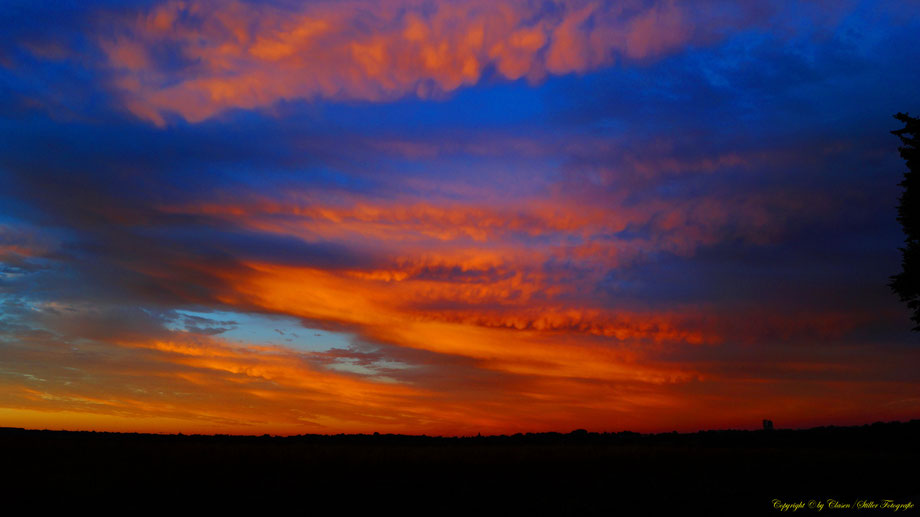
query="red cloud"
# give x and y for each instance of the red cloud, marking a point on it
(241, 55)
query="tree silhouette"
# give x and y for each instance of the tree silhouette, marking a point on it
(906, 284)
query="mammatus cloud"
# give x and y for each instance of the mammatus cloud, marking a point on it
(197, 58)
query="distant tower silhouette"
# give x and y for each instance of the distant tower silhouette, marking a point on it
(768, 425)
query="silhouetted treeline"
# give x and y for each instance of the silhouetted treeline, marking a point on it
(578, 473)
(906, 284)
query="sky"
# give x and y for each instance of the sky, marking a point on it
(449, 218)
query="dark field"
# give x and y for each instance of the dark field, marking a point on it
(705, 473)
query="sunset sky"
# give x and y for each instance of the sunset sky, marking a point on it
(453, 217)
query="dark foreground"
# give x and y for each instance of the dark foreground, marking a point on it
(705, 473)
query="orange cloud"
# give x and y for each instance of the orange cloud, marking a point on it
(518, 339)
(456, 278)
(242, 55)
(198, 383)
(520, 234)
